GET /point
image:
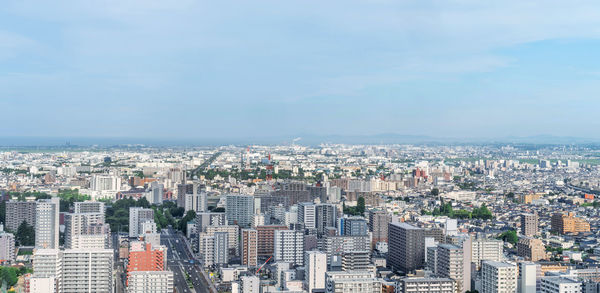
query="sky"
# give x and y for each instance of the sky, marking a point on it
(223, 69)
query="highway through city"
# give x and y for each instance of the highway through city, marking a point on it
(178, 260)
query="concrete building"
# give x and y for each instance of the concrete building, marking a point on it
(568, 223)
(266, 239)
(221, 248)
(105, 182)
(356, 260)
(560, 285)
(7, 246)
(425, 285)
(315, 263)
(232, 236)
(18, 212)
(354, 226)
(529, 224)
(356, 281)
(47, 263)
(289, 246)
(87, 270)
(531, 249)
(85, 229)
(34, 284)
(145, 257)
(204, 219)
(47, 223)
(326, 217)
(450, 264)
(88, 207)
(138, 215)
(249, 249)
(378, 225)
(307, 214)
(405, 244)
(247, 284)
(239, 209)
(528, 277)
(150, 282)
(498, 277)
(486, 249)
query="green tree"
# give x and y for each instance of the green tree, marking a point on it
(510, 237)
(189, 216)
(360, 205)
(25, 234)
(435, 192)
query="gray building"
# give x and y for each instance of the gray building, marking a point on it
(355, 226)
(239, 209)
(406, 247)
(18, 212)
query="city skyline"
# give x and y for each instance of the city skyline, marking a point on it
(196, 70)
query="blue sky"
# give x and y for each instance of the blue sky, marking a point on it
(222, 69)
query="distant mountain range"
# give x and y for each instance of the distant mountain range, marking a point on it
(385, 138)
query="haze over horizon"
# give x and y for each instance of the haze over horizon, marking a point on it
(232, 69)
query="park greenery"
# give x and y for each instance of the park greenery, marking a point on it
(358, 210)
(509, 236)
(446, 209)
(166, 214)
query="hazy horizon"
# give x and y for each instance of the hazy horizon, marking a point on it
(232, 69)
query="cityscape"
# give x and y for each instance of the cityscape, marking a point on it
(381, 146)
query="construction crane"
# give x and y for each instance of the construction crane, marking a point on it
(263, 265)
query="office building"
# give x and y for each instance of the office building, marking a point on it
(356, 260)
(378, 225)
(47, 223)
(239, 209)
(307, 214)
(336, 245)
(88, 207)
(156, 193)
(86, 230)
(315, 263)
(326, 216)
(204, 219)
(531, 249)
(529, 224)
(405, 244)
(105, 182)
(249, 250)
(138, 215)
(569, 223)
(498, 277)
(450, 264)
(221, 248)
(232, 236)
(18, 212)
(289, 246)
(87, 270)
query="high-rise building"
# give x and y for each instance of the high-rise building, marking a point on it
(326, 216)
(498, 277)
(529, 224)
(531, 249)
(204, 219)
(355, 226)
(221, 248)
(450, 264)
(47, 263)
(378, 225)
(569, 223)
(307, 214)
(86, 230)
(7, 246)
(405, 244)
(336, 245)
(560, 285)
(248, 284)
(266, 239)
(18, 212)
(47, 223)
(105, 182)
(144, 257)
(87, 270)
(156, 193)
(289, 246)
(355, 281)
(249, 247)
(207, 250)
(232, 236)
(315, 263)
(138, 215)
(527, 280)
(486, 249)
(429, 285)
(150, 282)
(239, 209)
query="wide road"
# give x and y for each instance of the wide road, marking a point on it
(178, 260)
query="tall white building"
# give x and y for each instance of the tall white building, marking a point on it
(47, 223)
(138, 215)
(450, 264)
(528, 273)
(307, 214)
(150, 282)
(429, 285)
(247, 284)
(7, 246)
(87, 270)
(105, 182)
(197, 202)
(156, 193)
(560, 285)
(289, 246)
(486, 249)
(86, 230)
(315, 263)
(498, 277)
(231, 230)
(89, 207)
(47, 263)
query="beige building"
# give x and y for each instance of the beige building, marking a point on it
(531, 249)
(568, 223)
